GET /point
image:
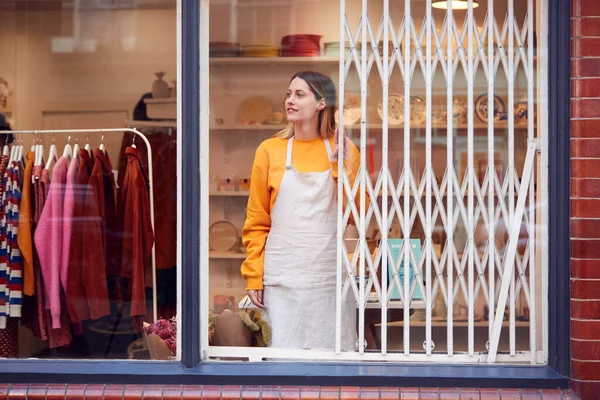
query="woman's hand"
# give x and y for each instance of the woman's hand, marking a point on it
(256, 297)
(334, 156)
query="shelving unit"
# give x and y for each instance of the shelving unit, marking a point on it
(275, 128)
(226, 255)
(240, 193)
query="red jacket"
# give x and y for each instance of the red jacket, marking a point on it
(137, 233)
(100, 241)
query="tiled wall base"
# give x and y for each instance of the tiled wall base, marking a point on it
(170, 392)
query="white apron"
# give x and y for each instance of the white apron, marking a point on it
(300, 263)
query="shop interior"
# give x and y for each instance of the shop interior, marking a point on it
(95, 64)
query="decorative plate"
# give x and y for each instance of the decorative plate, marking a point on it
(481, 107)
(351, 110)
(395, 109)
(253, 111)
(417, 110)
(222, 236)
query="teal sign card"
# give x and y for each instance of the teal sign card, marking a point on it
(395, 247)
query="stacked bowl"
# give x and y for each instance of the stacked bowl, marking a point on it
(301, 46)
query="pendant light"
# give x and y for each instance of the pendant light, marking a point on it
(456, 4)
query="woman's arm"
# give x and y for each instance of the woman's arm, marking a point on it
(258, 221)
(351, 166)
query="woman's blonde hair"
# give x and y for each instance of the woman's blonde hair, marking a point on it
(322, 88)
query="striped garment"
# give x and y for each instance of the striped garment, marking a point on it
(11, 267)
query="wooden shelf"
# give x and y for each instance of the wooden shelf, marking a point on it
(240, 193)
(272, 60)
(456, 324)
(226, 255)
(269, 128)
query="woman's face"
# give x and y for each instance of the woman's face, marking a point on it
(300, 102)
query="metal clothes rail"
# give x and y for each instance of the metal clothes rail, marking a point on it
(150, 178)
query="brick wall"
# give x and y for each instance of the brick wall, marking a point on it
(176, 392)
(585, 197)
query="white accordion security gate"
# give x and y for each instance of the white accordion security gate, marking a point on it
(500, 47)
(439, 199)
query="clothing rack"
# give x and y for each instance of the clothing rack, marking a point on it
(150, 177)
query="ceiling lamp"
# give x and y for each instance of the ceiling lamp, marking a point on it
(456, 4)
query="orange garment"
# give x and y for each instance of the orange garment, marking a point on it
(267, 173)
(24, 239)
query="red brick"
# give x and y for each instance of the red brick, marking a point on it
(585, 289)
(588, 8)
(585, 128)
(449, 394)
(409, 393)
(585, 47)
(154, 392)
(270, 392)
(585, 87)
(585, 350)
(510, 394)
(585, 249)
(530, 394)
(585, 108)
(172, 392)
(469, 394)
(585, 148)
(76, 392)
(552, 394)
(585, 370)
(211, 392)
(349, 392)
(585, 188)
(231, 392)
(94, 392)
(490, 394)
(585, 208)
(585, 269)
(569, 395)
(585, 168)
(4, 391)
(114, 392)
(191, 392)
(251, 392)
(330, 392)
(584, 68)
(311, 393)
(585, 309)
(585, 228)
(585, 329)
(17, 391)
(429, 393)
(389, 393)
(56, 391)
(133, 392)
(585, 27)
(587, 390)
(290, 392)
(369, 393)
(37, 391)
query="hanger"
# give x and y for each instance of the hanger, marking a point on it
(102, 145)
(76, 148)
(20, 150)
(51, 156)
(133, 140)
(39, 157)
(87, 145)
(5, 149)
(68, 151)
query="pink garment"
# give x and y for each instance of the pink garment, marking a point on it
(48, 240)
(67, 218)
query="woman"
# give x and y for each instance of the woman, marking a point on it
(291, 225)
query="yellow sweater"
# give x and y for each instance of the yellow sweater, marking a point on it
(267, 173)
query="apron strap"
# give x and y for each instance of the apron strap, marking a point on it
(288, 159)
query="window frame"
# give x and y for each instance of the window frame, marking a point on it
(190, 370)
